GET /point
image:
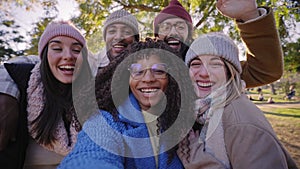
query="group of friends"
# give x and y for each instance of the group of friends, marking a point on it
(170, 101)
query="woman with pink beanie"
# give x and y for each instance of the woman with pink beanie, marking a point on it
(47, 124)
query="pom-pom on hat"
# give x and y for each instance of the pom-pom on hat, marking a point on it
(215, 43)
(174, 9)
(123, 17)
(59, 28)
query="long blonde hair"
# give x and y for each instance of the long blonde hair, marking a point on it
(231, 90)
(235, 85)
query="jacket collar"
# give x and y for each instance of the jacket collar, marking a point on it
(130, 112)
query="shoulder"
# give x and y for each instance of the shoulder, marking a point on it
(31, 59)
(243, 111)
(20, 73)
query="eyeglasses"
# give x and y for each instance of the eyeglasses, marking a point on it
(158, 71)
(166, 27)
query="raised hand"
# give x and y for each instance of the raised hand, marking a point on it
(243, 10)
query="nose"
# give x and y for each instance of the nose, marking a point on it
(173, 31)
(67, 54)
(119, 35)
(148, 76)
(203, 71)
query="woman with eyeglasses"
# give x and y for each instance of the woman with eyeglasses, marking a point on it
(147, 99)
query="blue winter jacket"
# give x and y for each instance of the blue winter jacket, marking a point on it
(114, 144)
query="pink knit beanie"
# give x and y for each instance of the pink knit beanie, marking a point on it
(59, 28)
(174, 9)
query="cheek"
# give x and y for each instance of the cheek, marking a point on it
(52, 58)
(185, 36)
(221, 76)
(108, 38)
(192, 75)
(79, 60)
(129, 39)
(164, 84)
(161, 36)
(132, 84)
(78, 64)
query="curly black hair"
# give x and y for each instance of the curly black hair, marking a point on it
(179, 94)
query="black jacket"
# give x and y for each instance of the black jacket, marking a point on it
(13, 156)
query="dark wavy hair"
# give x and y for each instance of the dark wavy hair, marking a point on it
(179, 93)
(58, 100)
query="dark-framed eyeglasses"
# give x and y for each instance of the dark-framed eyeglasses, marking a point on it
(158, 70)
(166, 27)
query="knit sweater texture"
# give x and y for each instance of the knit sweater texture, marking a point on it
(124, 143)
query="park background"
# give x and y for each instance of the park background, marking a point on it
(23, 21)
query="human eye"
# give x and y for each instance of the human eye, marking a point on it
(180, 26)
(56, 48)
(111, 30)
(195, 63)
(217, 64)
(136, 70)
(127, 32)
(139, 72)
(77, 49)
(159, 69)
(165, 26)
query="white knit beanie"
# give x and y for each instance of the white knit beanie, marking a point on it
(215, 43)
(59, 28)
(124, 17)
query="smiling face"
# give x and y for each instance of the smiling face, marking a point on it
(118, 37)
(149, 89)
(208, 73)
(64, 57)
(174, 32)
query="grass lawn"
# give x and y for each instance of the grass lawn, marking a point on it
(286, 123)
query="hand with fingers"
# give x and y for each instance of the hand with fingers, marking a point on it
(242, 10)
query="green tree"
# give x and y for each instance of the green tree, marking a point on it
(204, 13)
(10, 36)
(292, 56)
(51, 13)
(205, 16)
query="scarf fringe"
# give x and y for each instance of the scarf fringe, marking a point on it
(36, 100)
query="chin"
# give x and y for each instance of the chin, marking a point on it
(203, 95)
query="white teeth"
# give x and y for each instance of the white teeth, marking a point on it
(148, 90)
(67, 67)
(118, 46)
(173, 42)
(204, 84)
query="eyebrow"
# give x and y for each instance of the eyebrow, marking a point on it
(196, 58)
(216, 58)
(57, 41)
(54, 41)
(122, 26)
